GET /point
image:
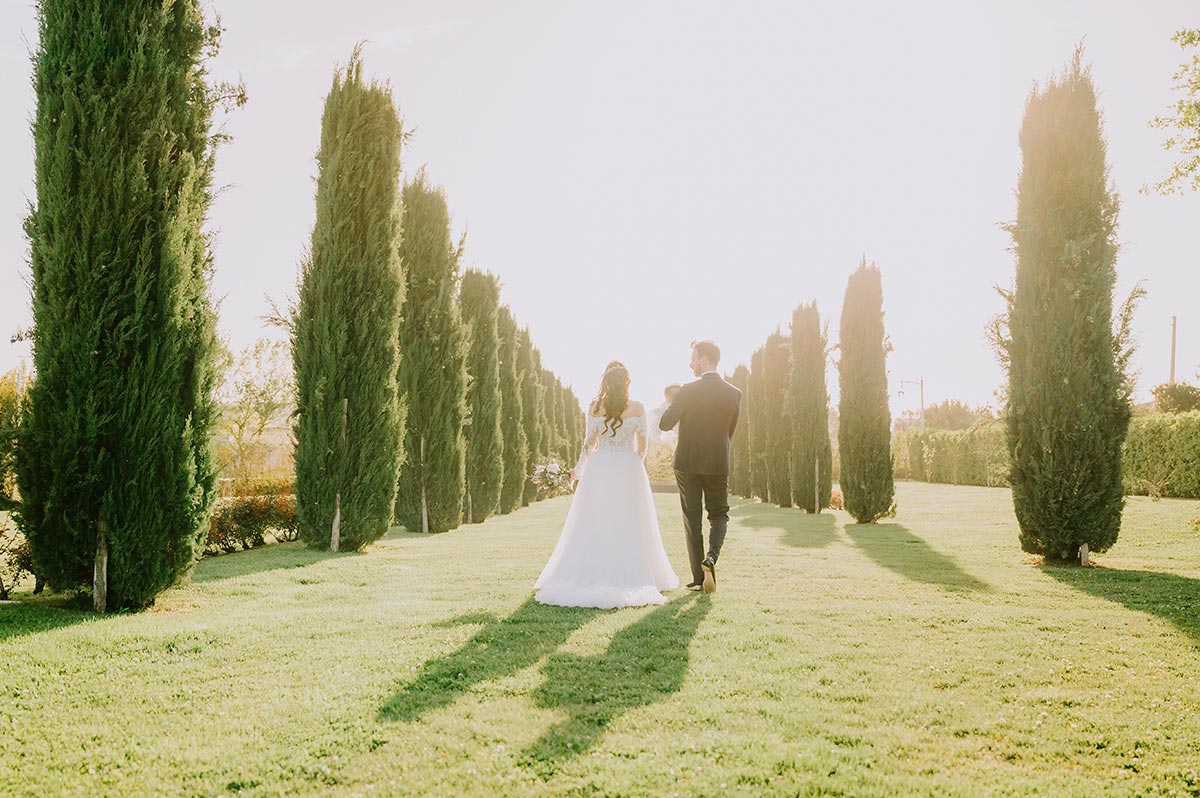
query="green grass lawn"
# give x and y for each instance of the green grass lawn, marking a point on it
(923, 656)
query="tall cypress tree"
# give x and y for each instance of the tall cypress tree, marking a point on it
(554, 415)
(864, 419)
(349, 418)
(571, 420)
(116, 470)
(480, 299)
(533, 410)
(433, 373)
(808, 405)
(777, 367)
(756, 417)
(739, 452)
(575, 424)
(1068, 403)
(512, 415)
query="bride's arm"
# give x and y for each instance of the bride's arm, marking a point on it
(590, 438)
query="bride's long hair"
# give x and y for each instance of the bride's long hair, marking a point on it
(613, 398)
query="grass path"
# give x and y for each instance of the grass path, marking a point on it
(924, 656)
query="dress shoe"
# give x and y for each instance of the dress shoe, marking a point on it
(709, 566)
(694, 586)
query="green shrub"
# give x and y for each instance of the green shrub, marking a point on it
(243, 521)
(1161, 456)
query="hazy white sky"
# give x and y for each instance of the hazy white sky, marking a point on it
(640, 174)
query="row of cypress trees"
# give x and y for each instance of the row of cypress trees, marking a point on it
(410, 380)
(419, 399)
(781, 453)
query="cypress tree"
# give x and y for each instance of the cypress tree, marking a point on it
(533, 411)
(777, 368)
(349, 418)
(115, 463)
(739, 452)
(554, 415)
(808, 404)
(575, 425)
(480, 300)
(1068, 402)
(512, 423)
(756, 417)
(865, 422)
(433, 373)
(571, 420)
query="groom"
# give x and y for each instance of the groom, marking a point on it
(707, 412)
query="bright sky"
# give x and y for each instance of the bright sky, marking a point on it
(640, 174)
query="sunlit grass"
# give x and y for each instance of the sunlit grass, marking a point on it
(924, 656)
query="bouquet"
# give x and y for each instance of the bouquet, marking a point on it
(551, 479)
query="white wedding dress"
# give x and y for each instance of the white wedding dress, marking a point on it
(610, 553)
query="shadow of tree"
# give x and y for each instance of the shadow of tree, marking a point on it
(500, 648)
(1173, 598)
(645, 662)
(271, 557)
(21, 618)
(895, 548)
(797, 528)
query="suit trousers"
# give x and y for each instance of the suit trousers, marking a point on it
(699, 492)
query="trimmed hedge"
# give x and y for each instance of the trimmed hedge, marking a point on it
(1161, 456)
(976, 456)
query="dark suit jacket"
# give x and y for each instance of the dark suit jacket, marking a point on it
(707, 413)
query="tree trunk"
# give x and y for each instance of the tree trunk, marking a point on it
(817, 483)
(1084, 559)
(424, 501)
(336, 533)
(100, 572)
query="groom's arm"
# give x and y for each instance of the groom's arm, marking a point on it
(673, 413)
(733, 421)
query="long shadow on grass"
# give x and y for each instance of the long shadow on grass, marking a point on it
(500, 648)
(1171, 597)
(798, 528)
(645, 662)
(898, 550)
(19, 619)
(273, 557)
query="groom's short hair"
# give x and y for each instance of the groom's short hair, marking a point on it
(709, 350)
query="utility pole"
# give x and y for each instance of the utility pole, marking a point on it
(1174, 327)
(921, 385)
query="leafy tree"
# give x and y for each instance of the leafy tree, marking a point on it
(1184, 120)
(756, 418)
(256, 394)
(739, 452)
(480, 299)
(533, 409)
(115, 459)
(864, 432)
(1068, 394)
(345, 345)
(516, 442)
(1176, 397)
(808, 408)
(777, 367)
(433, 371)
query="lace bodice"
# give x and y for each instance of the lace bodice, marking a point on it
(630, 437)
(625, 437)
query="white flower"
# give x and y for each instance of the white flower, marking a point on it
(553, 468)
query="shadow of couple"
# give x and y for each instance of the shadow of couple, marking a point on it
(645, 662)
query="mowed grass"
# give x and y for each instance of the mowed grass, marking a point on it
(923, 656)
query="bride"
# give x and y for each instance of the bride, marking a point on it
(610, 553)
